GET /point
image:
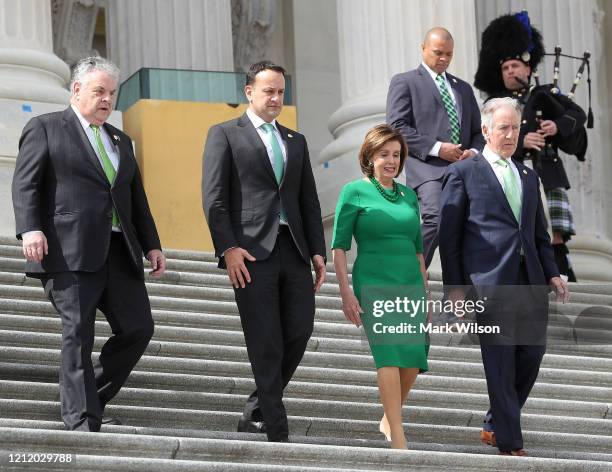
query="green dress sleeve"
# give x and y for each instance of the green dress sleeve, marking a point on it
(347, 210)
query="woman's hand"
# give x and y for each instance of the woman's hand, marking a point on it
(351, 308)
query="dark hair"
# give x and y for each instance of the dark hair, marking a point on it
(259, 67)
(376, 138)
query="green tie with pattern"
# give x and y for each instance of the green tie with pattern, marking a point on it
(107, 165)
(450, 109)
(279, 162)
(511, 188)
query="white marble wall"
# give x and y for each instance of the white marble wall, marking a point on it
(175, 34)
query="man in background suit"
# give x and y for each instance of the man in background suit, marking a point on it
(439, 118)
(493, 238)
(82, 214)
(263, 212)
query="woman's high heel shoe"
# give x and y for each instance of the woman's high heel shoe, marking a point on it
(382, 430)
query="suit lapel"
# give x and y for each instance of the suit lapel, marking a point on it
(75, 131)
(524, 182)
(491, 180)
(458, 97)
(117, 145)
(290, 149)
(429, 84)
(254, 139)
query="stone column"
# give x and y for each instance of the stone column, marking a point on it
(28, 68)
(577, 26)
(32, 80)
(74, 24)
(377, 39)
(175, 34)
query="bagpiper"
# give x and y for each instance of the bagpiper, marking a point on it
(511, 50)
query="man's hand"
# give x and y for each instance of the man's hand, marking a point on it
(34, 245)
(561, 289)
(533, 141)
(319, 266)
(547, 128)
(450, 152)
(351, 308)
(236, 270)
(158, 262)
(467, 154)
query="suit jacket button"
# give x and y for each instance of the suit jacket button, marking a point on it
(555, 159)
(528, 154)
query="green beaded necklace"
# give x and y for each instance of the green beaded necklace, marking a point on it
(392, 196)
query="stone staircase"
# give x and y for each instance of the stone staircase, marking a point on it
(181, 404)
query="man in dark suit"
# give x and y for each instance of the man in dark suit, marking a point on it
(439, 118)
(493, 238)
(263, 212)
(82, 214)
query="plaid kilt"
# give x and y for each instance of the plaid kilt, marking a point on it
(560, 212)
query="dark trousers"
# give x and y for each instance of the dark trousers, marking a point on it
(120, 294)
(277, 314)
(429, 203)
(512, 369)
(511, 372)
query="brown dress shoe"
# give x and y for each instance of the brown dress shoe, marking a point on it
(488, 437)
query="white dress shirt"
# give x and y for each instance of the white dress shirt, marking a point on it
(266, 138)
(492, 157)
(109, 147)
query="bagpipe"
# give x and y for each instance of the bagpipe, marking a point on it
(549, 104)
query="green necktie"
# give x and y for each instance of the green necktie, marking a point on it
(450, 109)
(279, 162)
(107, 165)
(511, 188)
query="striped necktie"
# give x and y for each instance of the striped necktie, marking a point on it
(450, 109)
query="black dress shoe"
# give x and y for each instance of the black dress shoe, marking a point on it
(246, 426)
(283, 440)
(110, 420)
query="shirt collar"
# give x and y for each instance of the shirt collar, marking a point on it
(256, 120)
(433, 73)
(84, 123)
(492, 157)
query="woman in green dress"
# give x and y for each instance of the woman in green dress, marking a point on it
(388, 273)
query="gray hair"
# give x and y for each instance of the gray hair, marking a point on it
(92, 64)
(491, 106)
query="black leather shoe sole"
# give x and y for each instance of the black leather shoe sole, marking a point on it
(110, 420)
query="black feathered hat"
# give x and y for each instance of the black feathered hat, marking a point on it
(506, 37)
